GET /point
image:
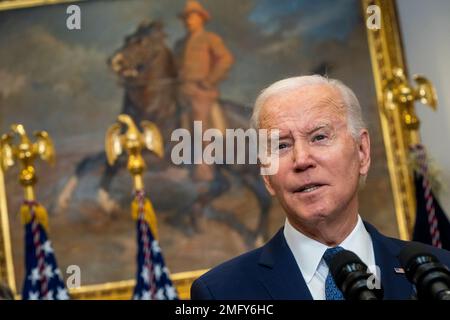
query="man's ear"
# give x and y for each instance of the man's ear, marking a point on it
(267, 183)
(364, 152)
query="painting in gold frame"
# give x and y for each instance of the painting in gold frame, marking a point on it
(385, 51)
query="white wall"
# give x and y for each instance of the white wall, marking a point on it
(425, 28)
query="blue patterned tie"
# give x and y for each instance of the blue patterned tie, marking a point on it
(332, 292)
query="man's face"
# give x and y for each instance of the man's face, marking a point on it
(319, 160)
(194, 21)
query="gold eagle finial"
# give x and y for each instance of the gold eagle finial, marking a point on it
(133, 142)
(25, 152)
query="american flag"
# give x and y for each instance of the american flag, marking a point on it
(152, 279)
(432, 224)
(43, 279)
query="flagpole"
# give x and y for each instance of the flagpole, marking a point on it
(138, 182)
(39, 258)
(29, 193)
(152, 281)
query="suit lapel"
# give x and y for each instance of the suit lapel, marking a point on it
(396, 286)
(281, 276)
(279, 271)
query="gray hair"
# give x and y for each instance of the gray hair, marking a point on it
(354, 114)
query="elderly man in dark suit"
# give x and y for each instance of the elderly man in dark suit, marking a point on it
(323, 157)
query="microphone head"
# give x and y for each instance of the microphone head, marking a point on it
(414, 255)
(352, 278)
(430, 277)
(342, 259)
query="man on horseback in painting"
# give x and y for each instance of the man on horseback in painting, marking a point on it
(203, 61)
(171, 93)
(146, 70)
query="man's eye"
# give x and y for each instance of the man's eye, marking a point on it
(319, 137)
(282, 146)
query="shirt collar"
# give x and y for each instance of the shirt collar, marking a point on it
(308, 252)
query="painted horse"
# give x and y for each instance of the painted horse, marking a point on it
(146, 70)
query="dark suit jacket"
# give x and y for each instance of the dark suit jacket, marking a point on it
(271, 272)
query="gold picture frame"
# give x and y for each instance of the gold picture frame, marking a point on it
(19, 4)
(386, 53)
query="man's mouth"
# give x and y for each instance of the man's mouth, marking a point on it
(310, 187)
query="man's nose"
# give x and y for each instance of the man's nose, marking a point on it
(302, 157)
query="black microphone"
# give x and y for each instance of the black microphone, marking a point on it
(351, 277)
(426, 272)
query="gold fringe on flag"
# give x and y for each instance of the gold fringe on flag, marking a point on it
(40, 214)
(149, 215)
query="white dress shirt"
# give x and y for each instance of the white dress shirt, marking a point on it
(308, 254)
